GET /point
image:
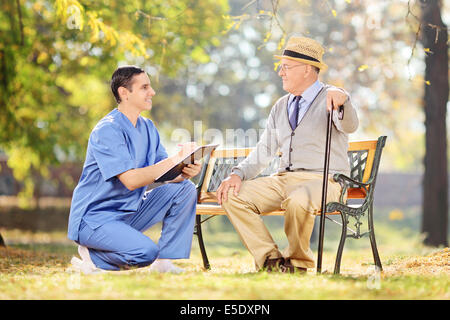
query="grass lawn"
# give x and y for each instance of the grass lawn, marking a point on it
(36, 265)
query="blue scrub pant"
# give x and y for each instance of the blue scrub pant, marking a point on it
(120, 244)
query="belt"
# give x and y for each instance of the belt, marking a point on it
(288, 169)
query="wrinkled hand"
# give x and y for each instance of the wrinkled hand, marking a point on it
(233, 181)
(335, 98)
(191, 170)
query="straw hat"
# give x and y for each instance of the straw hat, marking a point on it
(305, 50)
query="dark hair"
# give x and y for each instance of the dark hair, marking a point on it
(123, 77)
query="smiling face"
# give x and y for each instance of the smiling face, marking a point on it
(296, 76)
(140, 94)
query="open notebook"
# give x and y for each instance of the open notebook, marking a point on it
(196, 155)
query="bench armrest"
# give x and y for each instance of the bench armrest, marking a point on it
(343, 179)
(347, 182)
(202, 174)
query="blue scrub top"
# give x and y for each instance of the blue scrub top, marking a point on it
(114, 146)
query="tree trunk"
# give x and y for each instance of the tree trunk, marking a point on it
(435, 202)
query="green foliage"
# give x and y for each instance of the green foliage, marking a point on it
(56, 58)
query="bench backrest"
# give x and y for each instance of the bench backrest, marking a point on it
(364, 158)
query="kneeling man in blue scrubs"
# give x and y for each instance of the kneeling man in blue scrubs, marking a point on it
(110, 206)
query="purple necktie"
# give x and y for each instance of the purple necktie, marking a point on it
(293, 118)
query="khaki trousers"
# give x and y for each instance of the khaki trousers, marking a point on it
(299, 193)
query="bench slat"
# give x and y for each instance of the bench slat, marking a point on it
(210, 209)
(210, 197)
(216, 210)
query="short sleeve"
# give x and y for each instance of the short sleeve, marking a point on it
(161, 153)
(110, 150)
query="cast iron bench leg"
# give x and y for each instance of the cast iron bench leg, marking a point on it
(376, 256)
(201, 243)
(337, 265)
(2, 242)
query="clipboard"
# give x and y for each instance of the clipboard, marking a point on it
(197, 154)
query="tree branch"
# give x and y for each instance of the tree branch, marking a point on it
(19, 11)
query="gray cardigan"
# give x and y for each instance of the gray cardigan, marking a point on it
(303, 148)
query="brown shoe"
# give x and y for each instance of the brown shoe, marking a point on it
(273, 265)
(288, 267)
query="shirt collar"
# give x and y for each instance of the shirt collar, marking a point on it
(309, 94)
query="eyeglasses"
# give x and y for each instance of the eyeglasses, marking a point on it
(286, 67)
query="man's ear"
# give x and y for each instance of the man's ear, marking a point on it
(307, 71)
(123, 92)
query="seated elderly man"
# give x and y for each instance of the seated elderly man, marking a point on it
(297, 128)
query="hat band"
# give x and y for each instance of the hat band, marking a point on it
(294, 54)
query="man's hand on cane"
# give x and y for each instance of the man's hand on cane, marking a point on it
(335, 98)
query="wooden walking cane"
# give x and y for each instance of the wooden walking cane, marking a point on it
(324, 190)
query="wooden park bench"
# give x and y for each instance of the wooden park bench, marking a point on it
(364, 158)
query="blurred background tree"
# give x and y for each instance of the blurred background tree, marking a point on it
(434, 37)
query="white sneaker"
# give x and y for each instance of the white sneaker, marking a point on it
(86, 265)
(165, 265)
(85, 256)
